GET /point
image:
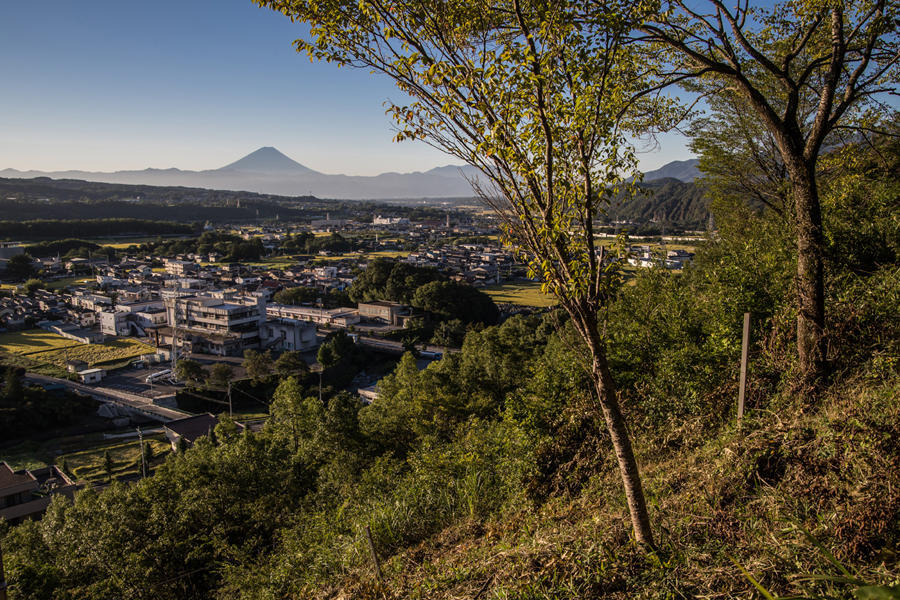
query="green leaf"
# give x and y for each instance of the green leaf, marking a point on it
(753, 580)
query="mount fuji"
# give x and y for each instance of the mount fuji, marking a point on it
(268, 171)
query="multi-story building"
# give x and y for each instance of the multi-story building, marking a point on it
(113, 322)
(180, 268)
(337, 317)
(213, 324)
(227, 324)
(288, 335)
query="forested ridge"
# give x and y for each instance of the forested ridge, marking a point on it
(667, 203)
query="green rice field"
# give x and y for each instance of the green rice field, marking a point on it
(523, 293)
(34, 341)
(38, 347)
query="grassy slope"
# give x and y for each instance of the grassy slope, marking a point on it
(717, 498)
(34, 341)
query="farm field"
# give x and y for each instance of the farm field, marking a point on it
(83, 455)
(523, 293)
(37, 347)
(52, 285)
(365, 255)
(120, 245)
(26, 362)
(34, 341)
(276, 262)
(136, 241)
(88, 465)
(65, 282)
(119, 349)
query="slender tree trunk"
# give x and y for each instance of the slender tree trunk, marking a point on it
(810, 275)
(605, 387)
(628, 467)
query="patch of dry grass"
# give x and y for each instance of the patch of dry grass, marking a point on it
(719, 497)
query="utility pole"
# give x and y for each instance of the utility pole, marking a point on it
(174, 335)
(143, 460)
(230, 412)
(320, 384)
(2, 577)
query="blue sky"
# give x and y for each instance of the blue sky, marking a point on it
(107, 85)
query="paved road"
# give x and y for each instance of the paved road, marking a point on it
(133, 401)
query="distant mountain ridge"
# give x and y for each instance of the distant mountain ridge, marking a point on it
(268, 171)
(682, 170)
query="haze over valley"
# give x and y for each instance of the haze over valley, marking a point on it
(268, 171)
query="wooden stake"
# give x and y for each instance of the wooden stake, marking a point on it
(745, 349)
(374, 555)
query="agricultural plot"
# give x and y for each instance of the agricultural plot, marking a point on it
(522, 293)
(47, 353)
(83, 456)
(279, 262)
(134, 241)
(33, 341)
(363, 255)
(97, 354)
(27, 362)
(66, 282)
(125, 457)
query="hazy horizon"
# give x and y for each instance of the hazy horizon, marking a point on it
(108, 86)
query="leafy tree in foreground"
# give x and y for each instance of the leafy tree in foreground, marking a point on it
(108, 465)
(531, 94)
(449, 333)
(807, 70)
(338, 348)
(13, 392)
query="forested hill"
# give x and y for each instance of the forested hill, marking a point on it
(78, 190)
(667, 202)
(42, 198)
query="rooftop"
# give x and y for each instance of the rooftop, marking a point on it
(9, 478)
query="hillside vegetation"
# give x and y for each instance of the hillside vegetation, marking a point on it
(490, 475)
(666, 203)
